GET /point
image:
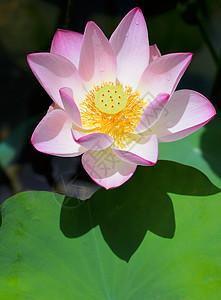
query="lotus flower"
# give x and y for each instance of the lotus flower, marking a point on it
(114, 100)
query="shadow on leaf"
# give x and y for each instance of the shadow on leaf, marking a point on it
(210, 144)
(142, 204)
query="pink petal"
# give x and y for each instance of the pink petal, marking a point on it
(93, 141)
(106, 169)
(152, 113)
(53, 135)
(131, 46)
(163, 74)
(187, 112)
(154, 53)
(97, 59)
(70, 105)
(54, 72)
(143, 151)
(72, 111)
(68, 44)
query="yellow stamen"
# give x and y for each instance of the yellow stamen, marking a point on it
(114, 110)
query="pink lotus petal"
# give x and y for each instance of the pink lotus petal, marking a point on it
(163, 74)
(106, 169)
(72, 111)
(70, 105)
(53, 136)
(143, 151)
(154, 53)
(131, 46)
(68, 44)
(54, 72)
(187, 112)
(93, 141)
(152, 113)
(97, 59)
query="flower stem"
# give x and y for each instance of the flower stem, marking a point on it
(203, 28)
(69, 14)
(208, 41)
(216, 90)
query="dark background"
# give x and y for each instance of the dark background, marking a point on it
(28, 26)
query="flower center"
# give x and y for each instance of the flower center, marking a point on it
(110, 99)
(114, 110)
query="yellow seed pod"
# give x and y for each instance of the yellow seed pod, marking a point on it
(110, 99)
